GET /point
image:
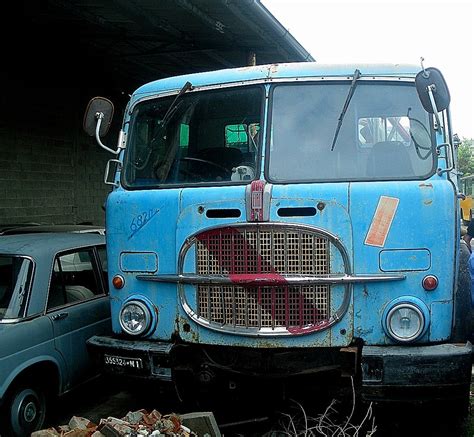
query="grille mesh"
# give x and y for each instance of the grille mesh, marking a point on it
(239, 251)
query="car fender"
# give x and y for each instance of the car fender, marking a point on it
(21, 369)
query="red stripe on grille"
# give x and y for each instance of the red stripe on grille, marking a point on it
(308, 329)
(257, 273)
(257, 279)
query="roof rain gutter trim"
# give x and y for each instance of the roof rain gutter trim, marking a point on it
(283, 34)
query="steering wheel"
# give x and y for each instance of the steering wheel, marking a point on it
(419, 135)
(419, 147)
(205, 161)
(214, 170)
(197, 170)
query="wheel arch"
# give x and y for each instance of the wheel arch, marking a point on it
(44, 370)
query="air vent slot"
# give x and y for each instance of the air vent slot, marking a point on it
(223, 213)
(304, 211)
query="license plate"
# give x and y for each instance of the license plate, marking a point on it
(113, 360)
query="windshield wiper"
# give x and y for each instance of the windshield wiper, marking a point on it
(346, 104)
(164, 121)
(187, 86)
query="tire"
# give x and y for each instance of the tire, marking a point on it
(25, 410)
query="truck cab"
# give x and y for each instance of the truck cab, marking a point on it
(285, 215)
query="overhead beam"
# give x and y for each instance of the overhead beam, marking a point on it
(151, 23)
(214, 24)
(255, 28)
(148, 21)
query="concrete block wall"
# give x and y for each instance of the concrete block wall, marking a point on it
(51, 178)
(90, 190)
(50, 171)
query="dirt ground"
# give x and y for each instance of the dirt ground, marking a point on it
(103, 398)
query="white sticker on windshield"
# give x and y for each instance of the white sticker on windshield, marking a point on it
(381, 222)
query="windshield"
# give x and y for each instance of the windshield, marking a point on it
(385, 133)
(206, 137)
(15, 280)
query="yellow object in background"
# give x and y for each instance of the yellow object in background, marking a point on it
(466, 208)
(467, 188)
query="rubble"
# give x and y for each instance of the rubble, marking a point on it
(50, 432)
(79, 423)
(134, 424)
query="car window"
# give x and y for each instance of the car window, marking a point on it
(103, 261)
(15, 281)
(74, 279)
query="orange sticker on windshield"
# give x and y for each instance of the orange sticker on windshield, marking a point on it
(383, 217)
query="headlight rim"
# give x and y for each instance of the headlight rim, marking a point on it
(411, 300)
(417, 310)
(148, 317)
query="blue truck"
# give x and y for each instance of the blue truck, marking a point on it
(278, 219)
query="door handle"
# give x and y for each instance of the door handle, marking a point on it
(59, 316)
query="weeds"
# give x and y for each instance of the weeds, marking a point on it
(328, 424)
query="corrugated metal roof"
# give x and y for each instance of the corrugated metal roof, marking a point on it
(150, 39)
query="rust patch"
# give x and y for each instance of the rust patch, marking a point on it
(267, 344)
(273, 69)
(178, 324)
(246, 68)
(183, 324)
(194, 336)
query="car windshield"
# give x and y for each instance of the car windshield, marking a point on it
(201, 137)
(15, 280)
(385, 133)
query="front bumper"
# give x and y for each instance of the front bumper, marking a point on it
(151, 359)
(418, 373)
(389, 373)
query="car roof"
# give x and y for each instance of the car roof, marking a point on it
(28, 229)
(41, 244)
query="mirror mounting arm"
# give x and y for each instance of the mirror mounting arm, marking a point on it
(100, 116)
(431, 89)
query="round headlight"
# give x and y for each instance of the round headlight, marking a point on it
(135, 318)
(405, 322)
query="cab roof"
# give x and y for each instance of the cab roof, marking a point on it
(276, 71)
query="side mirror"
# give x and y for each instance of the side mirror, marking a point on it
(432, 90)
(97, 119)
(100, 110)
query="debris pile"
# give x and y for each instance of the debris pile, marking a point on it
(134, 424)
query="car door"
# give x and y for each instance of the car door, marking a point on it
(78, 307)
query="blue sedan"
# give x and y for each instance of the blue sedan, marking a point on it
(53, 297)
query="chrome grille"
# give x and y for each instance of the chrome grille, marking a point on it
(293, 251)
(234, 251)
(264, 307)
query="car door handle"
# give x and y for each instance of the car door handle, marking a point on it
(59, 316)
